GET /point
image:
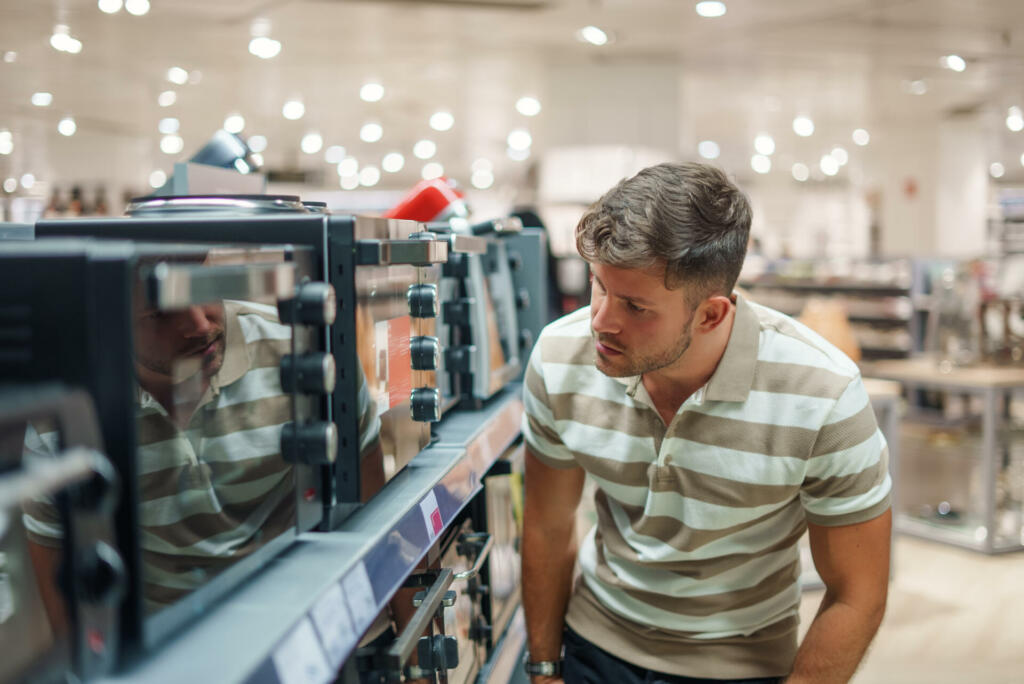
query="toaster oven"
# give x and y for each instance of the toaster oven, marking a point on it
(385, 274)
(194, 357)
(60, 576)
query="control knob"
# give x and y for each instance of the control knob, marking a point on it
(97, 494)
(313, 373)
(314, 303)
(423, 301)
(313, 443)
(426, 404)
(100, 575)
(425, 352)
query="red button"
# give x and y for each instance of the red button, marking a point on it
(95, 640)
(309, 494)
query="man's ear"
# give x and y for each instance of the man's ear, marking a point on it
(712, 312)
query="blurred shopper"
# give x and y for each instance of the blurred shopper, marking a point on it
(716, 431)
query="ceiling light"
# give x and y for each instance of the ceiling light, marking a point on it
(6, 142)
(42, 99)
(177, 75)
(67, 126)
(764, 144)
(293, 110)
(393, 162)
(840, 155)
(110, 7)
(760, 163)
(1022, 160)
(592, 35)
(257, 159)
(371, 92)
(520, 139)
(11, 184)
(264, 47)
(482, 179)
(432, 170)
(442, 121)
(349, 166)
(803, 126)
(312, 142)
(424, 149)
(350, 182)
(10, 57)
(528, 106)
(371, 132)
(157, 179)
(954, 62)
(517, 155)
(917, 87)
(136, 7)
(171, 144)
(168, 126)
(62, 41)
(369, 176)
(861, 137)
(829, 165)
(242, 166)
(801, 172)
(710, 9)
(996, 170)
(1015, 119)
(195, 76)
(27, 181)
(167, 98)
(257, 143)
(708, 149)
(334, 154)
(234, 123)
(482, 164)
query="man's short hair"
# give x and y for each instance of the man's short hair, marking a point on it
(689, 217)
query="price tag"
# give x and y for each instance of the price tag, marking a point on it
(359, 596)
(299, 658)
(330, 615)
(432, 515)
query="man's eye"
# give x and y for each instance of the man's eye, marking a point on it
(634, 308)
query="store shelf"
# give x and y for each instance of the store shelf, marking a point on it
(302, 616)
(814, 287)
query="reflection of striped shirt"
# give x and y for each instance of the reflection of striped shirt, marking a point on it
(692, 567)
(213, 493)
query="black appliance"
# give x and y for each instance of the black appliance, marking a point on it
(202, 367)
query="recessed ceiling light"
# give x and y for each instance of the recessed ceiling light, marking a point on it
(177, 75)
(137, 7)
(67, 126)
(234, 123)
(167, 98)
(801, 172)
(42, 99)
(157, 179)
(764, 144)
(840, 155)
(424, 149)
(171, 144)
(371, 132)
(708, 149)
(996, 170)
(482, 179)
(371, 92)
(293, 110)
(369, 176)
(761, 163)
(264, 47)
(803, 126)
(27, 181)
(442, 121)
(312, 142)
(10, 184)
(520, 139)
(349, 166)
(62, 41)
(393, 162)
(1015, 119)
(861, 137)
(10, 57)
(953, 62)
(350, 182)
(110, 7)
(168, 126)
(6, 143)
(432, 170)
(829, 165)
(257, 143)
(528, 106)
(710, 9)
(334, 154)
(592, 35)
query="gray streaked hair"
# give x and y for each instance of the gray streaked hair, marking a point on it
(688, 217)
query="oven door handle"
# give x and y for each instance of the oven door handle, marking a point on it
(176, 286)
(484, 542)
(412, 252)
(468, 244)
(406, 643)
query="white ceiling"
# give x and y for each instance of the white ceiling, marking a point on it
(669, 78)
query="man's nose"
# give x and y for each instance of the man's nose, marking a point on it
(194, 323)
(603, 318)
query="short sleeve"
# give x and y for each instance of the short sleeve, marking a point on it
(847, 475)
(539, 429)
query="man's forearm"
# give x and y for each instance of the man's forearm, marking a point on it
(548, 559)
(835, 642)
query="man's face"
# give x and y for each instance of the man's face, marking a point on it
(639, 326)
(180, 344)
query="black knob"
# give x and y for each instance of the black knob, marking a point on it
(313, 373)
(314, 443)
(100, 574)
(459, 359)
(439, 652)
(523, 299)
(480, 631)
(458, 312)
(98, 494)
(515, 261)
(313, 304)
(426, 404)
(425, 352)
(457, 266)
(526, 339)
(423, 301)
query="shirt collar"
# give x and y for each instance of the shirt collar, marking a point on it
(734, 375)
(236, 352)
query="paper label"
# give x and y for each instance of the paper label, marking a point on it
(432, 515)
(299, 658)
(333, 622)
(359, 596)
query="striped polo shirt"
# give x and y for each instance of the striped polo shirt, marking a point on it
(213, 493)
(692, 567)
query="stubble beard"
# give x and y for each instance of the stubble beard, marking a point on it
(625, 366)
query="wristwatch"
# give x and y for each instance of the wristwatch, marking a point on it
(544, 668)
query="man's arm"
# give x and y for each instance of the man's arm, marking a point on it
(853, 562)
(549, 554)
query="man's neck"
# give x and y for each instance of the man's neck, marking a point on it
(179, 400)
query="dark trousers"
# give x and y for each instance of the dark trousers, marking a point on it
(585, 663)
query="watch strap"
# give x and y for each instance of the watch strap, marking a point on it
(544, 668)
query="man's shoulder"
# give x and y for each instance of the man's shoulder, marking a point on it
(787, 340)
(567, 340)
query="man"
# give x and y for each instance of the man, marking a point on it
(716, 432)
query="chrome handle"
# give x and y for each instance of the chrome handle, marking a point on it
(414, 252)
(405, 644)
(468, 244)
(485, 541)
(175, 286)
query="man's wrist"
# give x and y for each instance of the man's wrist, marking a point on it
(543, 668)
